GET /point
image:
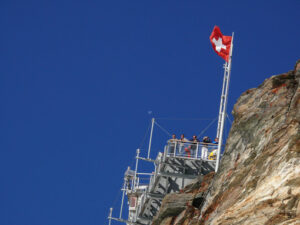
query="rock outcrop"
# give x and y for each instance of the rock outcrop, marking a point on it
(182, 207)
(258, 181)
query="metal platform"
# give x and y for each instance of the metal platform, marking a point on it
(175, 168)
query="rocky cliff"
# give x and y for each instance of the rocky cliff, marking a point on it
(259, 177)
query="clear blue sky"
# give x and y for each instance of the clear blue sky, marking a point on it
(79, 77)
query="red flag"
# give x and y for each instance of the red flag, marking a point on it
(221, 44)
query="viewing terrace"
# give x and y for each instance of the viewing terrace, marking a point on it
(177, 166)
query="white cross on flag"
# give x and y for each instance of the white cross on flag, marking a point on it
(221, 44)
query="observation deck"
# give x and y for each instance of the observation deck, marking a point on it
(177, 166)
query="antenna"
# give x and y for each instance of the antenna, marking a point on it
(150, 140)
(109, 217)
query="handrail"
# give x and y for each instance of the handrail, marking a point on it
(179, 141)
(191, 150)
(174, 149)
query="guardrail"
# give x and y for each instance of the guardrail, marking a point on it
(187, 150)
(191, 150)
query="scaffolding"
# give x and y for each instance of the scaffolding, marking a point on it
(177, 166)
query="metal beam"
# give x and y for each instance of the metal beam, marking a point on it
(136, 167)
(109, 217)
(144, 218)
(150, 140)
(186, 176)
(123, 221)
(145, 159)
(155, 195)
(123, 195)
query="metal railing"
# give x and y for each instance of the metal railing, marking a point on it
(191, 150)
(144, 183)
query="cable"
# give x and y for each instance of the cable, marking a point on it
(207, 127)
(228, 118)
(163, 129)
(147, 131)
(116, 198)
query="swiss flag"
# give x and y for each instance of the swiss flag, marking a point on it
(221, 44)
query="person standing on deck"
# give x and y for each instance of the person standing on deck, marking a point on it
(183, 140)
(216, 141)
(213, 154)
(204, 149)
(192, 148)
(172, 143)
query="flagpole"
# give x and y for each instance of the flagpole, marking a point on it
(221, 101)
(223, 104)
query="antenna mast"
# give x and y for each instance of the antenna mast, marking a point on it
(150, 140)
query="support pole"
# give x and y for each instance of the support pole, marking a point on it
(175, 146)
(221, 101)
(150, 140)
(136, 167)
(223, 112)
(110, 215)
(123, 195)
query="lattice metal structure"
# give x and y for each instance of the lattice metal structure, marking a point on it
(177, 166)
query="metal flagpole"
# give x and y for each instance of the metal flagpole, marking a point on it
(150, 141)
(223, 113)
(221, 101)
